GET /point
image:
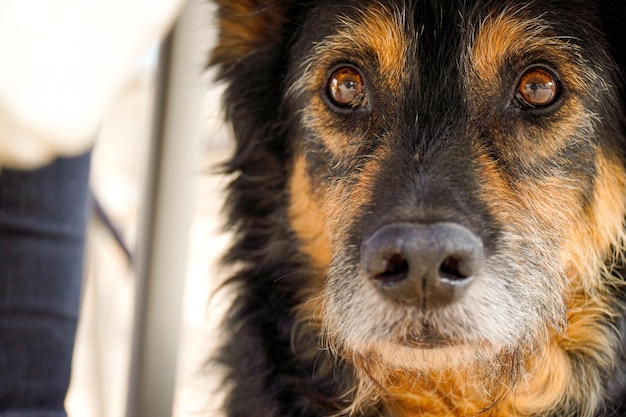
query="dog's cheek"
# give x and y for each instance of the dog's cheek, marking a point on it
(308, 223)
(593, 238)
(532, 221)
(321, 215)
(322, 210)
(598, 231)
(307, 217)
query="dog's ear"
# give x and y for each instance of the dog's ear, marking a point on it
(251, 56)
(246, 27)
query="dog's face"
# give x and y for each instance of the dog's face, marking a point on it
(456, 175)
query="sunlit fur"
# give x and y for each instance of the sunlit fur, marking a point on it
(440, 137)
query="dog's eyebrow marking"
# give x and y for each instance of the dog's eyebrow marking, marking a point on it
(500, 36)
(508, 35)
(374, 31)
(383, 32)
(359, 37)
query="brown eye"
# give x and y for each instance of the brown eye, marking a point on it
(346, 88)
(538, 87)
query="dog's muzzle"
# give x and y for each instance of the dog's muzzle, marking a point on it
(425, 265)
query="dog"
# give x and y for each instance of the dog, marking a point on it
(428, 202)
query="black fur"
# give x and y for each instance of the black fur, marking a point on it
(269, 376)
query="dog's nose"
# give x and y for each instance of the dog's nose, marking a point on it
(426, 265)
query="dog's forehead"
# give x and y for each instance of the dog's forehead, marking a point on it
(447, 46)
(396, 30)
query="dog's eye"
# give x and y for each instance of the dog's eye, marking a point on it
(346, 88)
(538, 87)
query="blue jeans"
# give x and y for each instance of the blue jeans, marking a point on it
(43, 215)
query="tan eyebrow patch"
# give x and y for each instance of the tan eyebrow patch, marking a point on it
(383, 32)
(376, 34)
(509, 35)
(500, 36)
(380, 32)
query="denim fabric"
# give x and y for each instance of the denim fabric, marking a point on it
(42, 234)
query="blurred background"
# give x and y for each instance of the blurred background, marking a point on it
(123, 183)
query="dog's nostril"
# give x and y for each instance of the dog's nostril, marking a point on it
(397, 270)
(449, 269)
(427, 265)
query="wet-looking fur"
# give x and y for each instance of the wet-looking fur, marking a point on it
(439, 134)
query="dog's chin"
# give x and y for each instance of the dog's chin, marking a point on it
(427, 356)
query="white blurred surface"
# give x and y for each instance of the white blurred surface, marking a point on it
(100, 369)
(63, 62)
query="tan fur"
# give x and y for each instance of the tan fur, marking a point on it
(245, 26)
(307, 216)
(380, 30)
(588, 238)
(376, 31)
(510, 33)
(547, 372)
(501, 36)
(544, 216)
(318, 118)
(601, 235)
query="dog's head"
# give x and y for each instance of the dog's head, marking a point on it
(455, 171)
